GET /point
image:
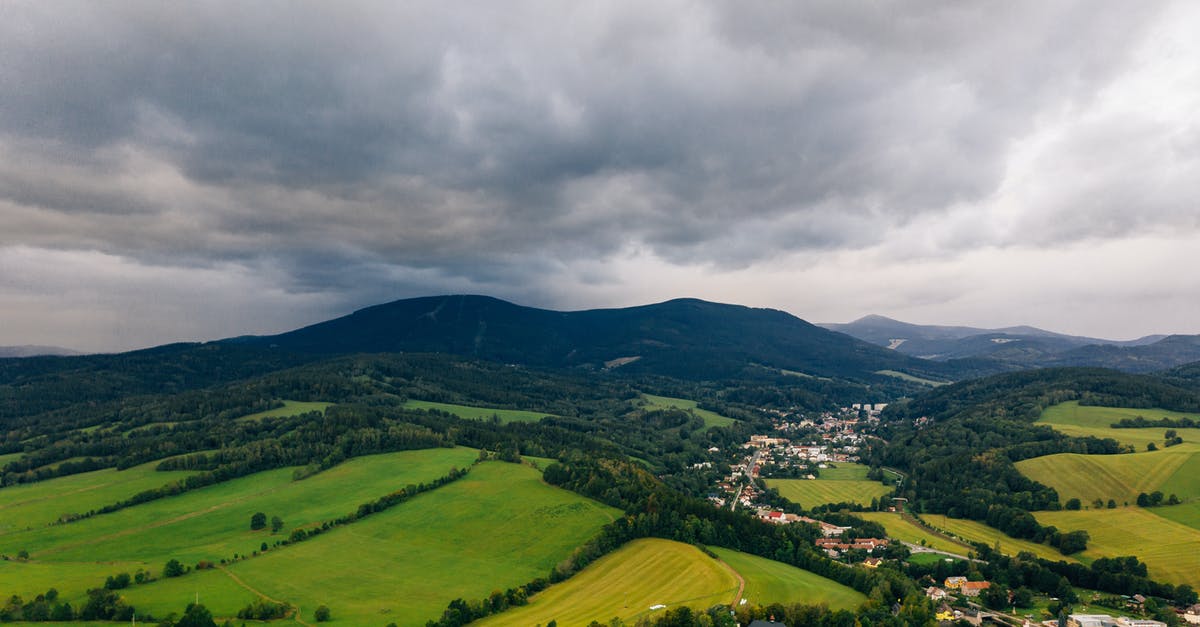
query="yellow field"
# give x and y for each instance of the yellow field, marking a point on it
(972, 531)
(768, 581)
(1118, 477)
(905, 531)
(1074, 419)
(626, 584)
(845, 484)
(1168, 548)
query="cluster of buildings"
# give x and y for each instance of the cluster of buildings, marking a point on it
(834, 547)
(1104, 620)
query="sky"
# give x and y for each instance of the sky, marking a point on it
(191, 171)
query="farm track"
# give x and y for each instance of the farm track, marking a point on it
(741, 581)
(292, 613)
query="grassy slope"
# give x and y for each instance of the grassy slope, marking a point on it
(625, 584)
(972, 531)
(1073, 419)
(911, 379)
(33, 505)
(846, 483)
(211, 523)
(1118, 477)
(711, 418)
(290, 408)
(1167, 547)
(768, 581)
(905, 531)
(499, 527)
(479, 413)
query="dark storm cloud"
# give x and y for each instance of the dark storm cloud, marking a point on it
(348, 144)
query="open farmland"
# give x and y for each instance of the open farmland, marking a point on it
(847, 483)
(768, 581)
(1081, 420)
(1167, 547)
(625, 584)
(479, 413)
(904, 530)
(1119, 477)
(34, 505)
(289, 409)
(973, 531)
(711, 418)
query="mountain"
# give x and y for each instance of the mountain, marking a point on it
(35, 351)
(1022, 346)
(685, 337)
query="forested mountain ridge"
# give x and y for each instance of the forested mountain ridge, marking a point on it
(685, 338)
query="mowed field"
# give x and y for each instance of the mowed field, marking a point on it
(34, 505)
(290, 408)
(768, 581)
(1075, 419)
(499, 525)
(1168, 548)
(901, 529)
(479, 413)
(972, 531)
(711, 418)
(845, 484)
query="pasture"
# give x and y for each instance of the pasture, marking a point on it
(626, 584)
(33, 505)
(1167, 547)
(479, 413)
(900, 528)
(903, 376)
(1175, 470)
(1072, 418)
(711, 418)
(289, 409)
(972, 531)
(768, 581)
(847, 483)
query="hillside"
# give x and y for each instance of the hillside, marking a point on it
(1023, 346)
(686, 337)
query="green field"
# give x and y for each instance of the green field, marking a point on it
(972, 531)
(901, 529)
(625, 584)
(34, 505)
(479, 413)
(1075, 419)
(1167, 547)
(9, 457)
(1119, 477)
(847, 483)
(910, 378)
(499, 527)
(768, 581)
(711, 418)
(926, 559)
(289, 409)
(1187, 514)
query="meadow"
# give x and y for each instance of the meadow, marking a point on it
(847, 483)
(1175, 470)
(768, 581)
(973, 531)
(479, 413)
(289, 409)
(1072, 418)
(904, 530)
(33, 505)
(1167, 547)
(711, 418)
(911, 379)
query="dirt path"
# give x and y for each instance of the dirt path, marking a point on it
(238, 580)
(741, 582)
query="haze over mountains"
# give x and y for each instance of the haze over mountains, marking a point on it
(1023, 346)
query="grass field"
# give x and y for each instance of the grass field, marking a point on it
(289, 409)
(1167, 547)
(9, 457)
(711, 418)
(847, 483)
(34, 505)
(900, 529)
(910, 378)
(1120, 477)
(768, 581)
(1187, 514)
(972, 531)
(496, 528)
(479, 413)
(926, 559)
(1074, 419)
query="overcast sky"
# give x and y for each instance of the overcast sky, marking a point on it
(190, 171)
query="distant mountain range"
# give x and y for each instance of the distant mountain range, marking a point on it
(35, 351)
(686, 338)
(1023, 346)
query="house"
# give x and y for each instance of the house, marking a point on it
(872, 562)
(1125, 621)
(974, 588)
(954, 582)
(935, 593)
(944, 613)
(1192, 614)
